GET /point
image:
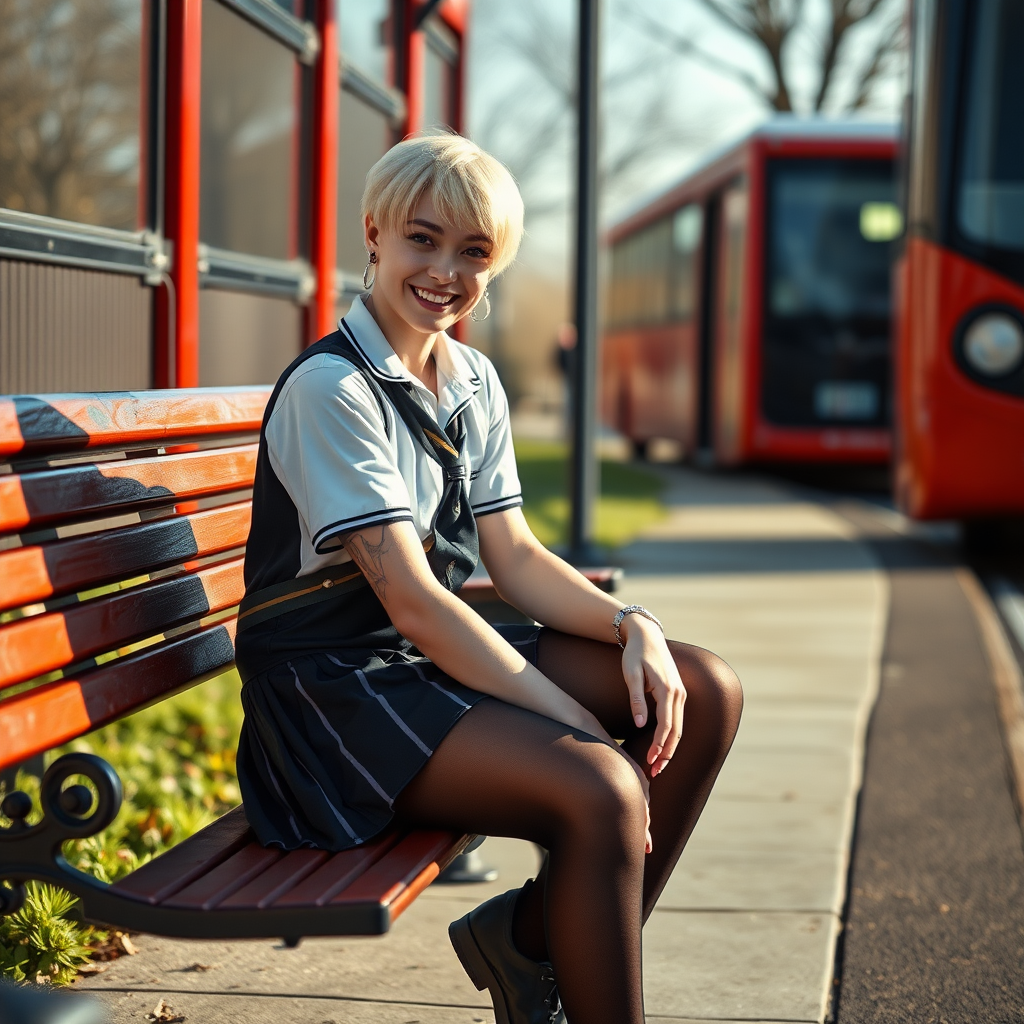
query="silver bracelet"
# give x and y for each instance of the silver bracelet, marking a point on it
(630, 609)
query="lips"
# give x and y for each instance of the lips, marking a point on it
(435, 301)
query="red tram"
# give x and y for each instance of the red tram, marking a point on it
(180, 179)
(749, 306)
(960, 308)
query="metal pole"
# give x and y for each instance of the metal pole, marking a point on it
(585, 468)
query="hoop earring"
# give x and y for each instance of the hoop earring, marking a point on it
(371, 262)
(487, 303)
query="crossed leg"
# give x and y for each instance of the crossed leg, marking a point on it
(505, 771)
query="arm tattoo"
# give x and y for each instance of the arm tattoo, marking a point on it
(369, 556)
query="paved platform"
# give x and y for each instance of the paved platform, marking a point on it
(793, 594)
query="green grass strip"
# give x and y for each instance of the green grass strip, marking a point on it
(629, 501)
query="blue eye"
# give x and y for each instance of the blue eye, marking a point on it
(419, 237)
(477, 253)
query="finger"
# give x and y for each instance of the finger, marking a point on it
(666, 720)
(677, 731)
(634, 677)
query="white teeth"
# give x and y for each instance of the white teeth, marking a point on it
(441, 300)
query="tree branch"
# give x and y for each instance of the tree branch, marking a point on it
(666, 36)
(892, 41)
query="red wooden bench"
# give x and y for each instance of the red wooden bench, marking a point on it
(123, 520)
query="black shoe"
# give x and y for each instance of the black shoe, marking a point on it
(522, 991)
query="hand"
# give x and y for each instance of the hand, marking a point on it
(648, 667)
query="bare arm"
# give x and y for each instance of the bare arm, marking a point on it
(540, 584)
(455, 638)
(449, 632)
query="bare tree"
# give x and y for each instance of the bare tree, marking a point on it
(772, 25)
(531, 123)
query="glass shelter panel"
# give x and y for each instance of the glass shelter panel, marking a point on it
(245, 339)
(441, 65)
(249, 137)
(830, 225)
(990, 190)
(71, 105)
(365, 36)
(365, 136)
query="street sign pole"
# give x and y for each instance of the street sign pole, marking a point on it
(585, 470)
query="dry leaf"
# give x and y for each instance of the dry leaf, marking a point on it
(126, 943)
(93, 968)
(163, 1014)
(201, 967)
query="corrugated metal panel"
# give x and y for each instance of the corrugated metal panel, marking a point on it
(65, 329)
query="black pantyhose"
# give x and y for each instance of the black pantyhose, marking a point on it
(509, 772)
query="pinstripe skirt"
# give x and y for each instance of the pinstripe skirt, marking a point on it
(331, 737)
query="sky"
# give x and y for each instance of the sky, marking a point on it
(651, 91)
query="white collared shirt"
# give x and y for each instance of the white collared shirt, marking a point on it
(345, 464)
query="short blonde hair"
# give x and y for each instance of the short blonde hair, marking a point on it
(469, 187)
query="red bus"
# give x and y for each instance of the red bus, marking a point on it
(960, 308)
(748, 313)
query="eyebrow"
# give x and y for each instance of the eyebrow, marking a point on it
(431, 226)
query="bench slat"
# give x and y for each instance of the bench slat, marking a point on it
(43, 643)
(49, 715)
(341, 870)
(42, 571)
(278, 879)
(239, 869)
(48, 424)
(389, 878)
(192, 858)
(53, 495)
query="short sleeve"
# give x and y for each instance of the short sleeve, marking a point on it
(328, 444)
(495, 484)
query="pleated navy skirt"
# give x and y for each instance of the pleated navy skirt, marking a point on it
(332, 736)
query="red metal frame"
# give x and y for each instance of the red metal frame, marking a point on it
(177, 310)
(177, 319)
(750, 437)
(324, 207)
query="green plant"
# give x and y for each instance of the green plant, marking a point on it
(39, 943)
(176, 761)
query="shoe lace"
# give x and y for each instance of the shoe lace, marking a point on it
(552, 1001)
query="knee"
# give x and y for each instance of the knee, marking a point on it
(714, 695)
(610, 796)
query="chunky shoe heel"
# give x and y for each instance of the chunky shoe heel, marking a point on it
(466, 949)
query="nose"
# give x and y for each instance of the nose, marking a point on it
(443, 270)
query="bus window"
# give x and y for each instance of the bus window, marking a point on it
(830, 223)
(989, 194)
(687, 228)
(729, 368)
(647, 272)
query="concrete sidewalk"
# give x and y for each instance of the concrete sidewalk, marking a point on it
(746, 930)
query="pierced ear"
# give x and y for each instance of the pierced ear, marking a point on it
(371, 233)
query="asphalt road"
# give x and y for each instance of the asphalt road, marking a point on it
(934, 928)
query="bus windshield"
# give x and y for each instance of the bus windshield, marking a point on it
(989, 195)
(828, 256)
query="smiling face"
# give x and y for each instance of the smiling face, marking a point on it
(430, 272)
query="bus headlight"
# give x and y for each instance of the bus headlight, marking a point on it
(994, 344)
